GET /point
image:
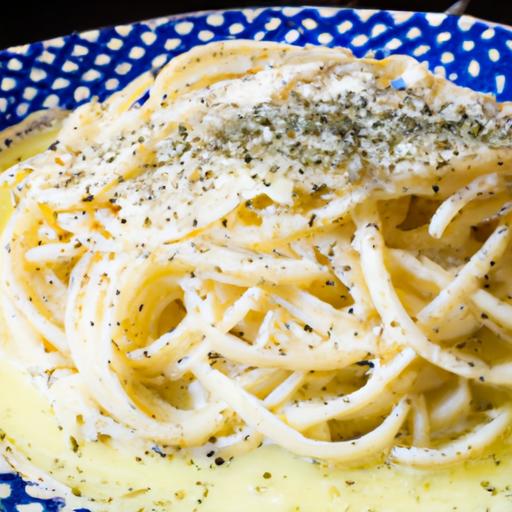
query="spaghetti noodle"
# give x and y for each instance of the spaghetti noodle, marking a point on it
(280, 245)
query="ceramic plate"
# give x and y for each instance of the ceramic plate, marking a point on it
(67, 71)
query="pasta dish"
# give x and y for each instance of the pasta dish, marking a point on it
(271, 244)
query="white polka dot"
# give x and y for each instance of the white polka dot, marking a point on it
(494, 55)
(236, 28)
(378, 29)
(394, 44)
(148, 38)
(509, 43)
(325, 38)
(14, 64)
(29, 93)
(205, 35)
(273, 23)
(32, 507)
(56, 42)
(159, 61)
(260, 35)
(421, 50)
(5, 491)
(90, 75)
(468, 45)
(115, 43)
(51, 101)
(474, 68)
(439, 70)
(292, 36)
(102, 59)
(123, 30)
(500, 83)
(291, 11)
(215, 20)
(465, 22)
(413, 33)
(46, 57)
(309, 23)
(8, 84)
(183, 28)
(453, 76)
(488, 34)
(447, 57)
(156, 22)
(60, 83)
(136, 52)
(327, 12)
(359, 40)
(251, 14)
(172, 44)
(37, 74)
(3, 104)
(435, 19)
(112, 83)
(20, 50)
(402, 16)
(123, 68)
(443, 37)
(344, 27)
(79, 50)
(22, 109)
(81, 93)
(69, 66)
(90, 35)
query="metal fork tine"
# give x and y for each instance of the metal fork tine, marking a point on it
(458, 8)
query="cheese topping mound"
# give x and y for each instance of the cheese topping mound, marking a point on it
(285, 132)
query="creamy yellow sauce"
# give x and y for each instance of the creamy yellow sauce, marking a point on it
(267, 479)
(23, 149)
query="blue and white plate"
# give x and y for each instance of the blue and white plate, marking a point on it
(67, 71)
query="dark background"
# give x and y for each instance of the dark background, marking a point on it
(23, 22)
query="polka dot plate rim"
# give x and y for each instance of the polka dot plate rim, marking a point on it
(66, 71)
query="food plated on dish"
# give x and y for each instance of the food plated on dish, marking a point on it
(281, 263)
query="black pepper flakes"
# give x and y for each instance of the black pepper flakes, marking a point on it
(365, 362)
